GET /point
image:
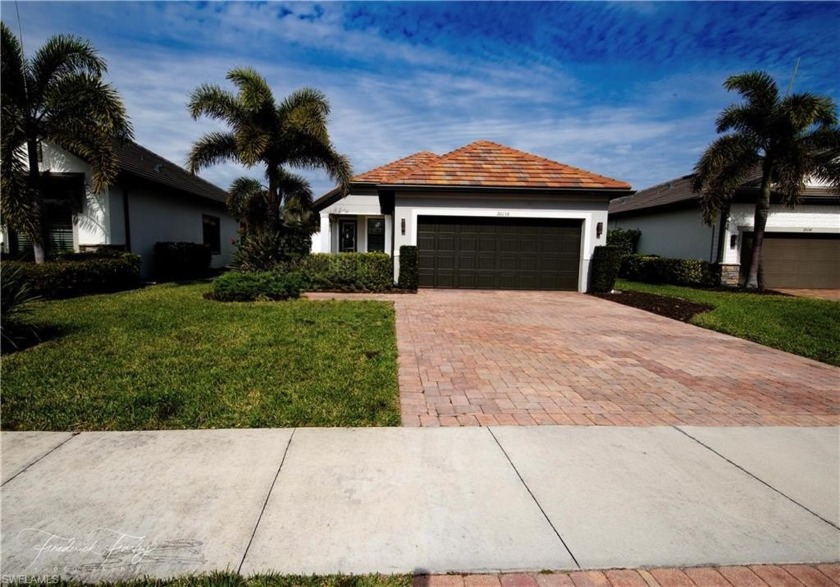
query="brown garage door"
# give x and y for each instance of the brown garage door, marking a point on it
(797, 260)
(498, 253)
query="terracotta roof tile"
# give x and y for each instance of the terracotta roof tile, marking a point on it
(387, 173)
(488, 164)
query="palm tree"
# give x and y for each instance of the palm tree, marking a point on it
(788, 139)
(58, 96)
(248, 201)
(274, 136)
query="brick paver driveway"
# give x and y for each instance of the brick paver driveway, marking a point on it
(487, 358)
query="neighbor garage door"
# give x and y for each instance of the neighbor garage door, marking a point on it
(797, 260)
(498, 253)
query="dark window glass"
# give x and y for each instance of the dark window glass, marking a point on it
(376, 235)
(212, 233)
(347, 236)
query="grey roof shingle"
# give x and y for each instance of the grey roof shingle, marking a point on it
(143, 163)
(678, 192)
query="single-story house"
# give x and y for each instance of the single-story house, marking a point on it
(483, 216)
(151, 200)
(801, 244)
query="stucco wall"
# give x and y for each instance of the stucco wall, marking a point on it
(804, 218)
(92, 226)
(679, 234)
(361, 205)
(156, 217)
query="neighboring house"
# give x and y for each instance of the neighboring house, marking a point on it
(151, 200)
(801, 245)
(483, 216)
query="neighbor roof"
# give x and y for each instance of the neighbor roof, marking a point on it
(143, 163)
(677, 192)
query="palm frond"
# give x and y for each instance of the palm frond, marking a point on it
(242, 196)
(254, 93)
(313, 102)
(723, 167)
(804, 110)
(85, 100)
(212, 148)
(312, 153)
(63, 55)
(12, 69)
(18, 202)
(212, 101)
(757, 87)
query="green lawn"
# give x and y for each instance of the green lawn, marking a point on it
(803, 326)
(164, 357)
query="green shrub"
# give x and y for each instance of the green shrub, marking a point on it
(250, 286)
(603, 271)
(104, 252)
(362, 272)
(265, 250)
(178, 260)
(652, 269)
(409, 268)
(15, 295)
(626, 240)
(68, 277)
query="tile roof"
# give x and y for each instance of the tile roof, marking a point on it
(141, 162)
(479, 164)
(488, 164)
(678, 192)
(389, 172)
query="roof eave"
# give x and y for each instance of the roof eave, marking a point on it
(614, 192)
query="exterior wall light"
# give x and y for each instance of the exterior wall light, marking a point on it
(599, 229)
(402, 226)
(733, 241)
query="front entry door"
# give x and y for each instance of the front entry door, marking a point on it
(347, 236)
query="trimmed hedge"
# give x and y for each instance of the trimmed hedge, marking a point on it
(255, 285)
(81, 274)
(409, 268)
(603, 271)
(651, 269)
(179, 260)
(626, 240)
(363, 272)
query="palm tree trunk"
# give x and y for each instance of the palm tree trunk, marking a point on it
(35, 184)
(273, 204)
(762, 210)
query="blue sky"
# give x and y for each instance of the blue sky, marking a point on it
(625, 89)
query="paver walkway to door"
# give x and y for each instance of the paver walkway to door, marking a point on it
(491, 357)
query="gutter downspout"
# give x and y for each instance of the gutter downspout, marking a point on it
(126, 220)
(724, 220)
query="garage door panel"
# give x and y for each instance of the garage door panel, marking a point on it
(796, 260)
(492, 253)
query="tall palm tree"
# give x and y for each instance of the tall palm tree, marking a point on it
(789, 139)
(58, 95)
(275, 136)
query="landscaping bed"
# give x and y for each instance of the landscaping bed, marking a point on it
(674, 308)
(166, 358)
(802, 326)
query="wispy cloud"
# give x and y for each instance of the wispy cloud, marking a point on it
(628, 90)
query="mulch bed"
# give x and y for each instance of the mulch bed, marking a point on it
(674, 308)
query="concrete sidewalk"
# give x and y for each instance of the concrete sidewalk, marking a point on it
(109, 505)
